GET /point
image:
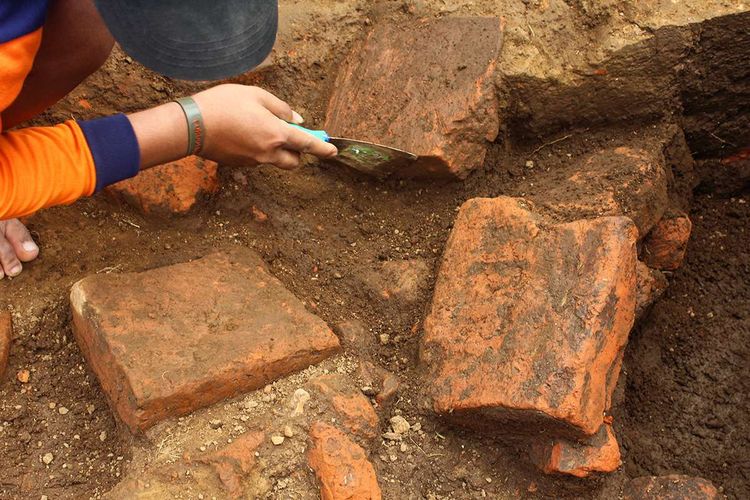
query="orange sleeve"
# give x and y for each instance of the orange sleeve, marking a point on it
(44, 166)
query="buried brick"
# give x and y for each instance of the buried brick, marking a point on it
(650, 285)
(171, 188)
(598, 453)
(427, 88)
(6, 336)
(672, 487)
(341, 465)
(168, 341)
(354, 411)
(613, 181)
(529, 319)
(664, 247)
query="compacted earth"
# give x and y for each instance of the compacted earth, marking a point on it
(581, 123)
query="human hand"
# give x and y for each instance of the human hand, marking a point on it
(247, 125)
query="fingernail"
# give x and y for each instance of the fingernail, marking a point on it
(15, 270)
(297, 118)
(30, 246)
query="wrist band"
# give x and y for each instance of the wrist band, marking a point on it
(194, 123)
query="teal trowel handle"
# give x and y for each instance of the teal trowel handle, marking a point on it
(320, 134)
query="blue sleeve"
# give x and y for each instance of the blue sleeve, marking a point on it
(114, 148)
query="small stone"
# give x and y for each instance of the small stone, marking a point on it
(23, 376)
(215, 424)
(90, 409)
(52, 406)
(416, 427)
(44, 497)
(277, 440)
(403, 448)
(400, 425)
(391, 436)
(393, 458)
(249, 405)
(103, 436)
(337, 275)
(529, 163)
(384, 338)
(288, 431)
(62, 410)
(48, 458)
(299, 398)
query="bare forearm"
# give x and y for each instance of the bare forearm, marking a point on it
(162, 134)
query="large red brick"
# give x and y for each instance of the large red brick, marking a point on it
(6, 336)
(672, 487)
(598, 453)
(341, 465)
(167, 341)
(612, 181)
(426, 87)
(171, 188)
(529, 318)
(666, 244)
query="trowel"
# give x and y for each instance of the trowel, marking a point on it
(367, 157)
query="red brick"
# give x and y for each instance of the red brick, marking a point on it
(426, 87)
(650, 285)
(672, 487)
(665, 246)
(385, 385)
(598, 453)
(342, 467)
(6, 336)
(168, 341)
(171, 188)
(354, 411)
(234, 462)
(613, 181)
(529, 319)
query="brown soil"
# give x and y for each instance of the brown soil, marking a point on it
(327, 230)
(688, 366)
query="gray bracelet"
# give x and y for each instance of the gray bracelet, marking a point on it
(194, 118)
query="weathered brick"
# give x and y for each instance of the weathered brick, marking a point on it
(598, 453)
(650, 285)
(171, 188)
(529, 319)
(168, 341)
(427, 88)
(665, 246)
(6, 336)
(611, 181)
(354, 411)
(672, 487)
(235, 461)
(342, 467)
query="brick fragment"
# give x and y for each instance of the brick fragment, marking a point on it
(6, 336)
(171, 188)
(168, 341)
(529, 319)
(235, 461)
(427, 88)
(613, 181)
(672, 487)
(598, 453)
(666, 244)
(650, 285)
(353, 409)
(384, 384)
(341, 466)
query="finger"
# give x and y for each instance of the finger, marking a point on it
(297, 140)
(20, 238)
(288, 160)
(8, 261)
(276, 106)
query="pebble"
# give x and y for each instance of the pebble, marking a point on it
(288, 431)
(52, 406)
(215, 424)
(48, 458)
(400, 425)
(299, 398)
(416, 427)
(90, 409)
(277, 440)
(391, 436)
(62, 410)
(103, 436)
(23, 376)
(529, 163)
(404, 448)
(251, 404)
(384, 338)
(338, 276)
